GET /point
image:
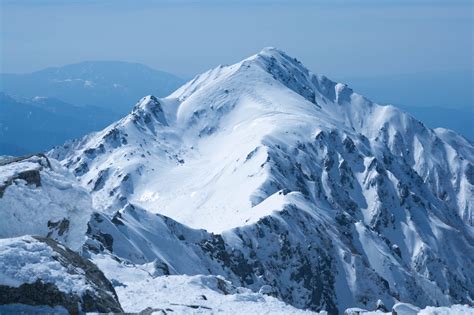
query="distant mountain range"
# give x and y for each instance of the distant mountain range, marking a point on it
(111, 85)
(30, 125)
(45, 108)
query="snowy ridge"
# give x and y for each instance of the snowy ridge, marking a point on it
(131, 140)
(330, 199)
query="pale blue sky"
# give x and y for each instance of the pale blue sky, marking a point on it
(411, 53)
(337, 38)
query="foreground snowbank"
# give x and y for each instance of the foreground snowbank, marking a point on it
(182, 294)
(40, 197)
(40, 272)
(138, 291)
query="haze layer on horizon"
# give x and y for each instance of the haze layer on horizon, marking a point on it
(183, 37)
(341, 39)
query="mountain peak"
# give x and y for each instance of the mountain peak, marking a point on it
(149, 101)
(149, 109)
(262, 68)
(271, 56)
(273, 51)
(293, 74)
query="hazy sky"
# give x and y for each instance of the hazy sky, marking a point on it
(336, 38)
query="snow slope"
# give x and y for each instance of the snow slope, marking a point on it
(332, 200)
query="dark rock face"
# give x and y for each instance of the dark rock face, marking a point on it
(30, 176)
(38, 293)
(101, 298)
(60, 227)
(311, 265)
(5, 161)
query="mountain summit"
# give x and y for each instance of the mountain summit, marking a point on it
(328, 198)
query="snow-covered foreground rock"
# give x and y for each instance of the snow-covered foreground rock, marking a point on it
(39, 197)
(41, 272)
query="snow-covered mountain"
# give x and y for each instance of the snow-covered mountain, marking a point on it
(263, 176)
(332, 200)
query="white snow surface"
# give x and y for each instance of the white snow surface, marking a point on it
(408, 309)
(452, 310)
(30, 209)
(26, 260)
(183, 294)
